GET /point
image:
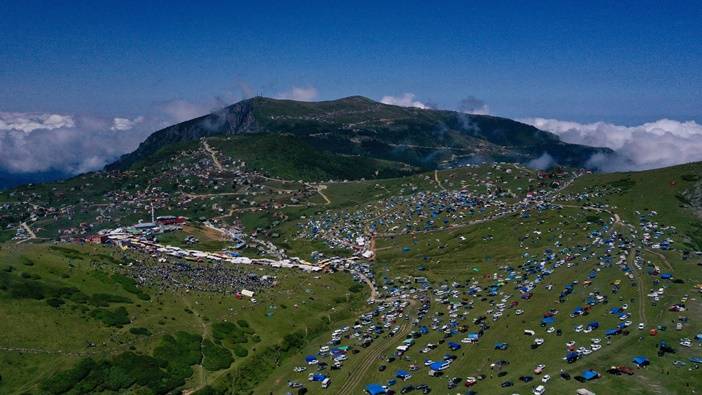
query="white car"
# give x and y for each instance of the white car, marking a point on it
(596, 347)
(540, 390)
(641, 326)
(546, 378)
(579, 328)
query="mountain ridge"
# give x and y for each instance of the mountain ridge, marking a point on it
(357, 125)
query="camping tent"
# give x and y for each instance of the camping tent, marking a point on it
(310, 359)
(438, 366)
(641, 361)
(318, 377)
(403, 374)
(375, 389)
(590, 375)
(548, 320)
(501, 346)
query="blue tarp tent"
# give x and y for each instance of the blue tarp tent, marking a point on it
(641, 360)
(423, 330)
(375, 389)
(454, 346)
(501, 346)
(572, 357)
(310, 358)
(696, 359)
(612, 332)
(590, 375)
(593, 325)
(438, 366)
(548, 320)
(403, 374)
(473, 336)
(666, 276)
(615, 310)
(318, 377)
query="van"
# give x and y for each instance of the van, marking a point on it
(326, 383)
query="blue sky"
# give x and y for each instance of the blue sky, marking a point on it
(628, 62)
(83, 82)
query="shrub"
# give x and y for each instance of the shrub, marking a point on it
(55, 302)
(240, 351)
(140, 331)
(130, 286)
(215, 357)
(66, 380)
(104, 300)
(181, 350)
(116, 317)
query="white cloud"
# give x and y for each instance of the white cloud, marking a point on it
(125, 123)
(405, 100)
(300, 94)
(473, 105)
(72, 144)
(28, 122)
(650, 145)
(543, 162)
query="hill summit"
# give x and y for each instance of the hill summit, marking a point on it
(359, 126)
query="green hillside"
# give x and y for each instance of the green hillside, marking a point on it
(361, 127)
(453, 248)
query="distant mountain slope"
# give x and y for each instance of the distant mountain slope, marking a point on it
(359, 126)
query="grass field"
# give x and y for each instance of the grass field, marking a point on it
(78, 322)
(60, 337)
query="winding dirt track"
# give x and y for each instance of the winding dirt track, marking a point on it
(212, 154)
(438, 182)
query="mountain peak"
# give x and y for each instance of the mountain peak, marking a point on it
(357, 125)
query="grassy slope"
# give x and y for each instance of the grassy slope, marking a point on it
(453, 259)
(291, 158)
(61, 336)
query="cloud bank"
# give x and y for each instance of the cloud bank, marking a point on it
(28, 122)
(473, 105)
(405, 100)
(65, 143)
(650, 145)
